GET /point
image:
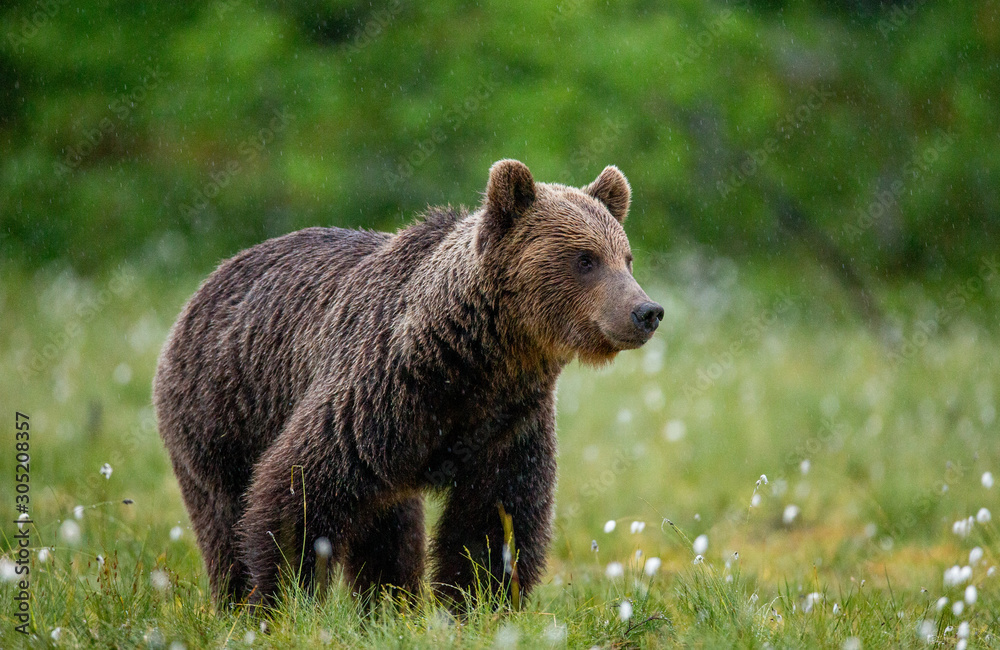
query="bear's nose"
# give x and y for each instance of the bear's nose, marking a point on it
(647, 316)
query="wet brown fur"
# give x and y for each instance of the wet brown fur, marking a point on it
(318, 383)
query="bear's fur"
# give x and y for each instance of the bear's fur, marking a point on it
(318, 383)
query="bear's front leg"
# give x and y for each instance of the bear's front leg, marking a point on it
(520, 477)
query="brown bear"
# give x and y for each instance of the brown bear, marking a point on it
(319, 383)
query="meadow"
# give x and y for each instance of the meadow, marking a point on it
(767, 472)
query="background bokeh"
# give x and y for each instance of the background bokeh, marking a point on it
(816, 203)
(176, 133)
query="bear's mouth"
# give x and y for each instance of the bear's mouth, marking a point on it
(619, 342)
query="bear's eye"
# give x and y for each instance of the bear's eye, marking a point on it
(585, 263)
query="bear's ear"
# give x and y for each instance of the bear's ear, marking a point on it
(511, 189)
(510, 192)
(612, 189)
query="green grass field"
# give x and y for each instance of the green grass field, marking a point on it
(872, 453)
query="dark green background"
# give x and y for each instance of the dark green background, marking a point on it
(117, 119)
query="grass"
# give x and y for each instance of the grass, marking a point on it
(870, 459)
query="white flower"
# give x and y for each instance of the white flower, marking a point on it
(507, 636)
(610, 525)
(8, 570)
(975, 555)
(674, 431)
(963, 630)
(958, 607)
(593, 545)
(652, 566)
(625, 610)
(249, 637)
(804, 466)
(698, 559)
(965, 574)
(991, 572)
(700, 545)
(176, 533)
(836, 609)
(78, 512)
(100, 560)
(614, 570)
(159, 579)
(971, 595)
(942, 602)
(926, 630)
(122, 373)
(638, 526)
(555, 634)
(755, 501)
(811, 600)
(324, 548)
(43, 555)
(987, 480)
(762, 479)
(791, 512)
(56, 634)
(21, 518)
(963, 527)
(962, 644)
(851, 643)
(154, 638)
(69, 531)
(106, 470)
(983, 516)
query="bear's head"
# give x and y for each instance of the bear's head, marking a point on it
(563, 260)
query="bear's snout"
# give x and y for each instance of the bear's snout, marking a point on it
(647, 316)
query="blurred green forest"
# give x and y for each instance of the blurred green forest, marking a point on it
(174, 134)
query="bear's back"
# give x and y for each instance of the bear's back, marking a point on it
(244, 348)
